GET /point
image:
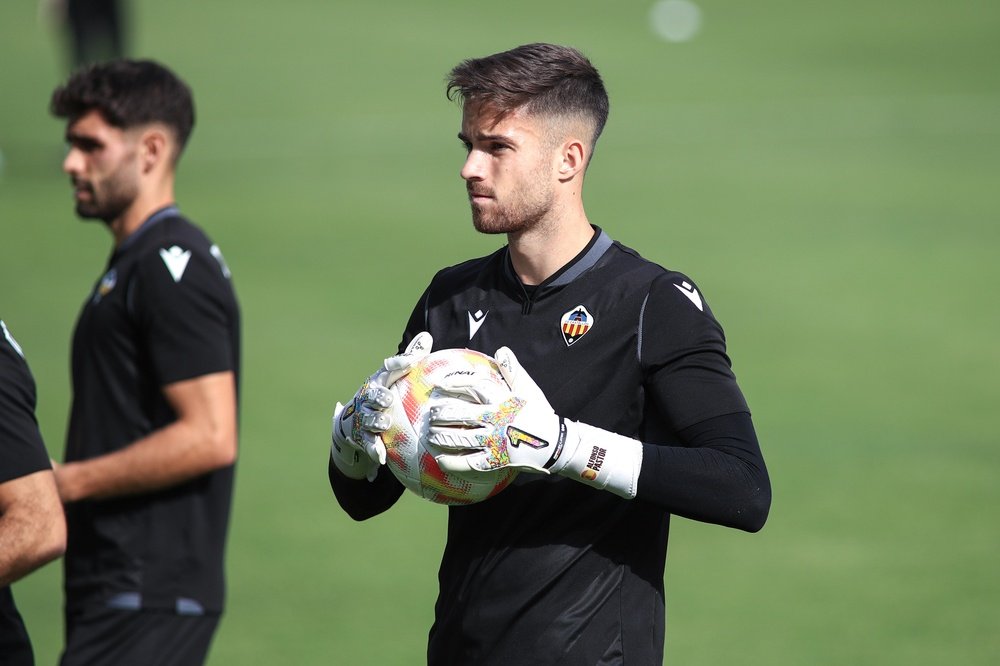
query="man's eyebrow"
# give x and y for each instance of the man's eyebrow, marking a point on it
(86, 139)
(484, 137)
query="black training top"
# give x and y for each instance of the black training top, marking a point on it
(22, 452)
(164, 311)
(551, 570)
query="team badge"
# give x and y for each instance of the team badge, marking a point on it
(575, 324)
(107, 283)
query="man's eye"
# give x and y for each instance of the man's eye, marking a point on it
(498, 147)
(85, 145)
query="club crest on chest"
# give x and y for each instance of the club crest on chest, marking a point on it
(107, 283)
(575, 324)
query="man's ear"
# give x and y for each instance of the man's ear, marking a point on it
(572, 158)
(155, 149)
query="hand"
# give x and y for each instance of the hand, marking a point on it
(357, 447)
(478, 427)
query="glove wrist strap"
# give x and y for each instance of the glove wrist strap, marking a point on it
(551, 465)
(601, 459)
(348, 460)
(349, 465)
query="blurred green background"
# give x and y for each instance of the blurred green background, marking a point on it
(828, 172)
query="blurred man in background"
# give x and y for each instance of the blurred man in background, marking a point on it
(32, 526)
(151, 445)
(623, 408)
(94, 30)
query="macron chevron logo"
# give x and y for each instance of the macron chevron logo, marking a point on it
(475, 321)
(691, 293)
(176, 260)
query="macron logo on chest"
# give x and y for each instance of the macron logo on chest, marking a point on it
(475, 321)
(176, 260)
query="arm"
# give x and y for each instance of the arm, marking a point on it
(188, 327)
(32, 525)
(710, 468)
(360, 481)
(717, 476)
(703, 462)
(362, 499)
(202, 439)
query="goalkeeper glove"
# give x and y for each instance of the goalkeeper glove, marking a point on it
(478, 426)
(357, 449)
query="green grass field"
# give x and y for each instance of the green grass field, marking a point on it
(827, 172)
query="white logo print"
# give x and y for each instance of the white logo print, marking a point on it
(692, 294)
(176, 260)
(217, 253)
(475, 321)
(10, 339)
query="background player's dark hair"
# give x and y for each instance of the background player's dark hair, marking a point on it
(128, 93)
(540, 78)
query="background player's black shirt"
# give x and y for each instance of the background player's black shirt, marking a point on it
(22, 452)
(552, 571)
(164, 311)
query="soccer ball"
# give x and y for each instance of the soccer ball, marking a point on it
(405, 441)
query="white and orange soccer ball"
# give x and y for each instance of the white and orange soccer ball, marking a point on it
(405, 441)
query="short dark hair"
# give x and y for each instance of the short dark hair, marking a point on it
(545, 79)
(128, 93)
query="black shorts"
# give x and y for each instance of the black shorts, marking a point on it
(114, 637)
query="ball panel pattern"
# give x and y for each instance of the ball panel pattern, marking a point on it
(405, 441)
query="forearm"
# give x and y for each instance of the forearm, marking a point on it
(364, 487)
(167, 457)
(32, 528)
(201, 440)
(363, 499)
(717, 476)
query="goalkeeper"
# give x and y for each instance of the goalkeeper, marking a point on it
(626, 407)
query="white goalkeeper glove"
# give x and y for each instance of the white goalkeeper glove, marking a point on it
(478, 426)
(357, 449)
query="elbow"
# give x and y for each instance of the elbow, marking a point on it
(223, 446)
(356, 514)
(50, 541)
(54, 545)
(350, 494)
(754, 510)
(357, 511)
(227, 450)
(209, 446)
